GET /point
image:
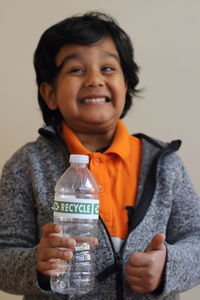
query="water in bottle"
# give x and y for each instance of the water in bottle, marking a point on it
(76, 207)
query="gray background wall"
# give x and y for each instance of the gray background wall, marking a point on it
(167, 45)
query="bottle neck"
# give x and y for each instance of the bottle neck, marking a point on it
(78, 165)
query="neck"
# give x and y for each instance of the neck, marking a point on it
(95, 141)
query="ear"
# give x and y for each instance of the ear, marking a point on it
(47, 91)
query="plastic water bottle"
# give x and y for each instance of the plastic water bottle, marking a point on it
(76, 208)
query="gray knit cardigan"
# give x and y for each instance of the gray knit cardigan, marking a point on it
(166, 202)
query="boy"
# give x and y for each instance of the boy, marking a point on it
(148, 238)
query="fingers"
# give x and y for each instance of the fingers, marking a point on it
(51, 228)
(140, 287)
(55, 229)
(53, 261)
(55, 249)
(141, 259)
(52, 267)
(142, 276)
(57, 242)
(90, 240)
(143, 280)
(55, 253)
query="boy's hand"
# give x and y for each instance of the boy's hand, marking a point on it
(49, 250)
(144, 270)
(54, 250)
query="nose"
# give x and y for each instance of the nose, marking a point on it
(94, 78)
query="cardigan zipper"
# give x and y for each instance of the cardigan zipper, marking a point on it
(116, 268)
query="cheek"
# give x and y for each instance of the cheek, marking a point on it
(66, 96)
(122, 92)
(120, 86)
(65, 91)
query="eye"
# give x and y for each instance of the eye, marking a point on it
(108, 69)
(77, 70)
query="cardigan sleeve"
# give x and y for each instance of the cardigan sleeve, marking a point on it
(182, 270)
(18, 230)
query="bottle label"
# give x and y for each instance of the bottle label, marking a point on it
(76, 208)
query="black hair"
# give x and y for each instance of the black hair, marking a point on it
(83, 30)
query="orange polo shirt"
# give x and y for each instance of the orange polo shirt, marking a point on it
(116, 170)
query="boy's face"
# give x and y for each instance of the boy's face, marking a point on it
(90, 89)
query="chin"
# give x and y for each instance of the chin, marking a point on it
(99, 122)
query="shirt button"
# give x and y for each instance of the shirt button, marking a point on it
(101, 188)
(96, 161)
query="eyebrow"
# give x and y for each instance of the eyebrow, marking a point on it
(115, 56)
(78, 55)
(68, 58)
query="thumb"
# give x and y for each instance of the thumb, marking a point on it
(157, 243)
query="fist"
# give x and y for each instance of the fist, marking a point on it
(144, 270)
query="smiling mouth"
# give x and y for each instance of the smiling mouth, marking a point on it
(96, 100)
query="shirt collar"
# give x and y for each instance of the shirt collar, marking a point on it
(120, 144)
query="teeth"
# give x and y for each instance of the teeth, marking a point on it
(94, 100)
